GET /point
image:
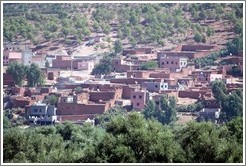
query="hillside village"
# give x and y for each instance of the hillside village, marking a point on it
(82, 96)
(119, 82)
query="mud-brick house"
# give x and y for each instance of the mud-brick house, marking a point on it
(174, 63)
(139, 98)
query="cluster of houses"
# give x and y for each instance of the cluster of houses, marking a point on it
(127, 86)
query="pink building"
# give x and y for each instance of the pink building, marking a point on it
(62, 62)
(79, 64)
(85, 65)
(120, 65)
(188, 54)
(173, 62)
(138, 74)
(138, 99)
(10, 56)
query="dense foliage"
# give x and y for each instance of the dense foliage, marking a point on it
(104, 66)
(165, 113)
(139, 23)
(126, 138)
(149, 65)
(20, 72)
(231, 103)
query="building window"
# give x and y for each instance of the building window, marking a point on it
(134, 97)
(156, 86)
(140, 97)
(176, 63)
(167, 62)
(181, 63)
(137, 104)
(162, 86)
(162, 63)
(172, 62)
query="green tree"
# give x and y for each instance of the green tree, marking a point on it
(210, 32)
(235, 45)
(6, 122)
(219, 90)
(131, 138)
(17, 71)
(65, 32)
(110, 114)
(133, 19)
(202, 14)
(232, 104)
(150, 109)
(104, 66)
(205, 142)
(96, 26)
(235, 128)
(168, 106)
(118, 47)
(52, 99)
(149, 65)
(198, 37)
(238, 29)
(35, 76)
(166, 113)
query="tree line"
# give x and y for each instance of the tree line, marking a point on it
(138, 23)
(127, 138)
(148, 137)
(33, 74)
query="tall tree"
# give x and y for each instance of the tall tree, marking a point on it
(166, 113)
(219, 90)
(131, 138)
(118, 47)
(35, 76)
(150, 109)
(232, 104)
(17, 71)
(104, 66)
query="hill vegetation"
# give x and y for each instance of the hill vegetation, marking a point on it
(135, 23)
(148, 137)
(128, 138)
(120, 136)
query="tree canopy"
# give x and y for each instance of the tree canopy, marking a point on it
(231, 103)
(166, 113)
(20, 72)
(126, 138)
(149, 65)
(104, 66)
